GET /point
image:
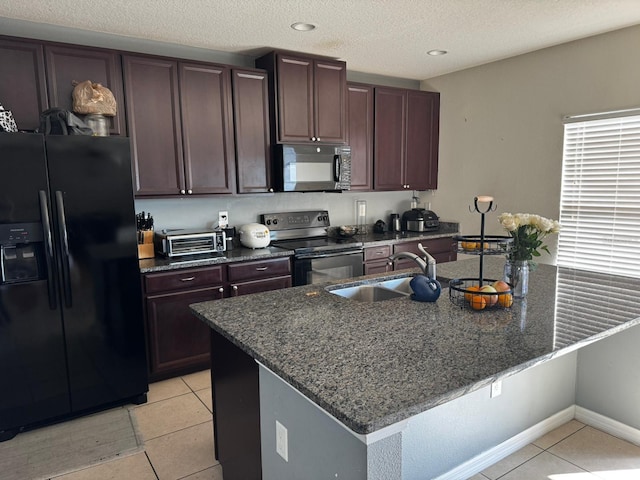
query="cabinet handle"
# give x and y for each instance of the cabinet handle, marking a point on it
(182, 192)
(317, 139)
(235, 290)
(313, 139)
(221, 290)
(189, 191)
(261, 269)
(187, 279)
(380, 253)
(271, 190)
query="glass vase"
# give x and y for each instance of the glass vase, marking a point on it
(516, 272)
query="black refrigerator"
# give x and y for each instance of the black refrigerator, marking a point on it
(71, 325)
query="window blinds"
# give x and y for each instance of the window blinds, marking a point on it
(600, 199)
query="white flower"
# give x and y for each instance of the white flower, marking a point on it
(508, 222)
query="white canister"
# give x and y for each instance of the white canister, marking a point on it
(254, 235)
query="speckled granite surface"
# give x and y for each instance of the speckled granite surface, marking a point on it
(240, 254)
(373, 364)
(160, 264)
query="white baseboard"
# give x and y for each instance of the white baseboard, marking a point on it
(608, 425)
(515, 443)
(506, 448)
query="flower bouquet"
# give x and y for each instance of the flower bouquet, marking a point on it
(528, 232)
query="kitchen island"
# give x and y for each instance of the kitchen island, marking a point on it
(399, 389)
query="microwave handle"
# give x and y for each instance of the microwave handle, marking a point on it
(336, 168)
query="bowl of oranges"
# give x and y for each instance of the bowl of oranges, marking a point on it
(486, 245)
(475, 295)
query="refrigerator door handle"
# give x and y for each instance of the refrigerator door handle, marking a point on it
(46, 223)
(64, 239)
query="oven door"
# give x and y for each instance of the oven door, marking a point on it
(327, 267)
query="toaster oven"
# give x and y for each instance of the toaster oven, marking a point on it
(175, 243)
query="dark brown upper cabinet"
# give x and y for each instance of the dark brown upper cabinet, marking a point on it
(68, 64)
(406, 129)
(22, 81)
(360, 134)
(307, 97)
(179, 116)
(251, 123)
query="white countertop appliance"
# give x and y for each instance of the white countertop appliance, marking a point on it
(254, 235)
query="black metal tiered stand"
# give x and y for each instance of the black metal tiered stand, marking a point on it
(481, 245)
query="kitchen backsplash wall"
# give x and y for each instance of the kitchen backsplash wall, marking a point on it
(203, 212)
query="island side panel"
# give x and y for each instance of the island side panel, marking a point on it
(440, 439)
(318, 447)
(236, 410)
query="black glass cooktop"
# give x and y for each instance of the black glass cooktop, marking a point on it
(319, 244)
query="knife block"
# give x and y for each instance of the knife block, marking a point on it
(145, 244)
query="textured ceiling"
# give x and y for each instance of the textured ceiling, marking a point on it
(386, 37)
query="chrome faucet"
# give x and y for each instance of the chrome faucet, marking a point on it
(427, 265)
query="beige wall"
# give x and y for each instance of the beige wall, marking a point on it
(501, 123)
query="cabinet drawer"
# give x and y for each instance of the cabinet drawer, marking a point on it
(273, 267)
(256, 286)
(183, 279)
(377, 253)
(437, 245)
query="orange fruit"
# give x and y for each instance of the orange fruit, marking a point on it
(467, 296)
(478, 302)
(505, 300)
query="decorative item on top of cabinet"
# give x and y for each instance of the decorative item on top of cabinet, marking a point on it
(360, 134)
(23, 87)
(406, 130)
(252, 131)
(171, 104)
(69, 64)
(307, 97)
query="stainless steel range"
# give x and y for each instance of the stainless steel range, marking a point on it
(318, 256)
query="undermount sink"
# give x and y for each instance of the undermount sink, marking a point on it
(375, 292)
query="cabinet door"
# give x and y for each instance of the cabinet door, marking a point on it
(360, 135)
(153, 116)
(295, 99)
(251, 122)
(423, 109)
(22, 81)
(178, 341)
(68, 64)
(389, 139)
(330, 86)
(207, 128)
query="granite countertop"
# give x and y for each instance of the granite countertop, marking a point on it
(373, 364)
(240, 254)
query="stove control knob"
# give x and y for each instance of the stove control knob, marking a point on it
(275, 221)
(268, 222)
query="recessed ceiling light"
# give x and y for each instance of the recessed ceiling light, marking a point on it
(303, 27)
(435, 53)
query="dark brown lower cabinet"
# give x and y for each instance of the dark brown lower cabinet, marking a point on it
(178, 342)
(236, 403)
(442, 249)
(376, 260)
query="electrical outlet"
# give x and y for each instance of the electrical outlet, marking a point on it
(496, 388)
(223, 219)
(282, 442)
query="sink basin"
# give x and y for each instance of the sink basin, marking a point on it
(375, 292)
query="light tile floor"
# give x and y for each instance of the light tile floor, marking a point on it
(176, 425)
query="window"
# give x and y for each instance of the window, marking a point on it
(600, 199)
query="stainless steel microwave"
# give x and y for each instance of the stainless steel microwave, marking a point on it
(313, 168)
